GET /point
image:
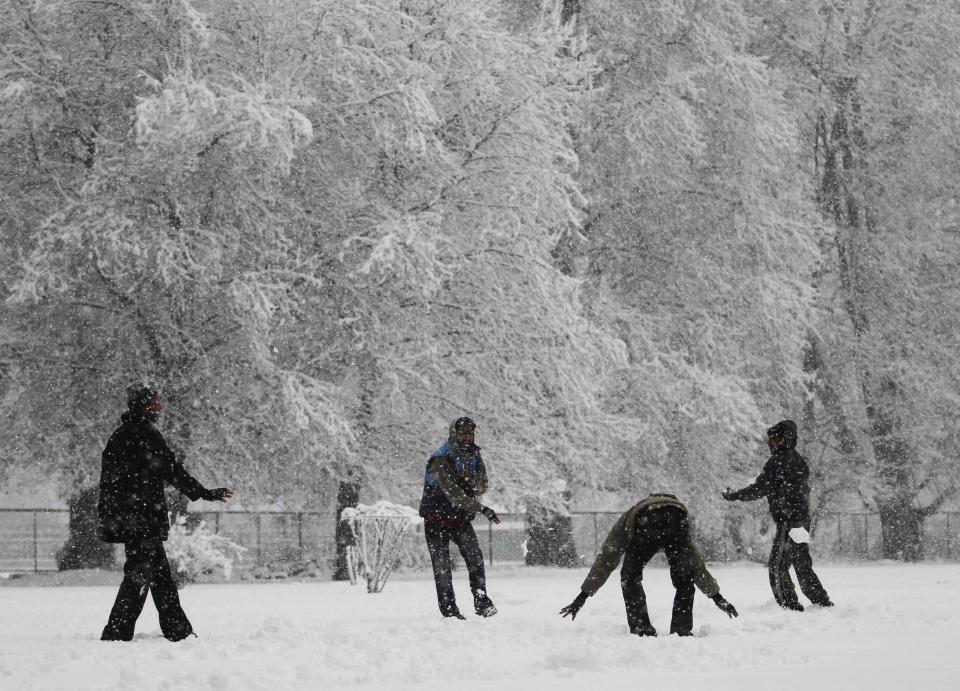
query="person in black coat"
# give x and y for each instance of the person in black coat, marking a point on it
(132, 510)
(785, 482)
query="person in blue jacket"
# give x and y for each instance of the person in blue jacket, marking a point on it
(454, 480)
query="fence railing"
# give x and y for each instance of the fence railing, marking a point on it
(31, 538)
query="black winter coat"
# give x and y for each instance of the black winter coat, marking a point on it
(785, 482)
(135, 465)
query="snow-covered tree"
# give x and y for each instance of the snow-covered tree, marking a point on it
(152, 240)
(700, 245)
(445, 299)
(324, 229)
(875, 87)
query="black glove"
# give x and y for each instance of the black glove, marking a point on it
(574, 606)
(729, 494)
(218, 494)
(490, 514)
(725, 606)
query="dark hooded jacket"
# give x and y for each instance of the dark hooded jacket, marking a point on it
(784, 480)
(454, 478)
(136, 463)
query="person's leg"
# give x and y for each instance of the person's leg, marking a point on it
(137, 571)
(810, 584)
(780, 582)
(469, 546)
(173, 620)
(680, 558)
(438, 544)
(640, 551)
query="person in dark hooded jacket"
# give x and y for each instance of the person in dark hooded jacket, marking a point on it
(454, 479)
(132, 509)
(785, 482)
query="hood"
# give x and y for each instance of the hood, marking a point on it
(135, 417)
(787, 431)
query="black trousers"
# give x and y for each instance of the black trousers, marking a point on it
(464, 537)
(146, 569)
(787, 553)
(663, 528)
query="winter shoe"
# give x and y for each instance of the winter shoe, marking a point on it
(112, 636)
(483, 605)
(795, 606)
(452, 613)
(179, 635)
(645, 630)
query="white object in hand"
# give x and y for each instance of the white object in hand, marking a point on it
(799, 535)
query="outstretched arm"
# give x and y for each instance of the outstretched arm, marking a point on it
(177, 475)
(759, 488)
(574, 607)
(609, 557)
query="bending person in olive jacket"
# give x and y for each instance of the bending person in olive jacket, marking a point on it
(658, 522)
(133, 510)
(454, 479)
(784, 481)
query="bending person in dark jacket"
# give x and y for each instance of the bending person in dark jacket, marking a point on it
(658, 522)
(785, 482)
(455, 477)
(133, 510)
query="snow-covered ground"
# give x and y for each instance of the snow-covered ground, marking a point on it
(895, 626)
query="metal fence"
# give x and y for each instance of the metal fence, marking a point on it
(30, 538)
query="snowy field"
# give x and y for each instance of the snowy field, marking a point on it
(895, 626)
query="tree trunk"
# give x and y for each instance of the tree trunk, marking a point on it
(347, 496)
(569, 9)
(814, 365)
(902, 529)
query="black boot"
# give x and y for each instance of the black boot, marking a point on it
(452, 611)
(483, 605)
(111, 634)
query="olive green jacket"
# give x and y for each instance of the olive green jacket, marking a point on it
(619, 538)
(442, 468)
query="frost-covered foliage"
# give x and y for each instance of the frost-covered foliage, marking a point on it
(700, 244)
(196, 550)
(875, 91)
(437, 208)
(325, 228)
(153, 240)
(322, 229)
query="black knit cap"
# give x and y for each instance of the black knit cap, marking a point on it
(464, 424)
(787, 431)
(139, 395)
